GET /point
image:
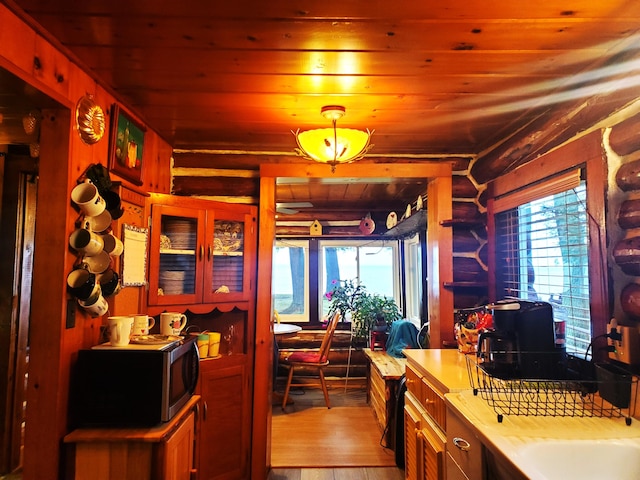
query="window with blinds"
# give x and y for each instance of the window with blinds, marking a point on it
(542, 254)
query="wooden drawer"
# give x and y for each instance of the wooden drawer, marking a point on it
(464, 447)
(414, 383)
(433, 403)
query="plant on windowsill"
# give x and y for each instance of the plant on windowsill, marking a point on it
(367, 311)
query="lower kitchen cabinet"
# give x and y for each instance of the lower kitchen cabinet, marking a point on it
(424, 443)
(163, 452)
(224, 433)
(430, 374)
(464, 450)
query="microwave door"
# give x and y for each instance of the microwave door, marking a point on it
(182, 376)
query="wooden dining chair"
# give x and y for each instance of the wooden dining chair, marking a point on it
(319, 360)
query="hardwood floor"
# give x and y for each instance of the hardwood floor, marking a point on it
(311, 442)
(362, 473)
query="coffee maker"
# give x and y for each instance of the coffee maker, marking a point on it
(522, 343)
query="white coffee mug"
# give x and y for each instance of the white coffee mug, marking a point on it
(120, 330)
(172, 323)
(86, 242)
(96, 307)
(87, 197)
(112, 245)
(142, 324)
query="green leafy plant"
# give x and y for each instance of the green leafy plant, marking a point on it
(366, 309)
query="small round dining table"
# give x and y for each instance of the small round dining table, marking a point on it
(285, 329)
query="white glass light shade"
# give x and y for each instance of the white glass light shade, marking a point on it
(328, 146)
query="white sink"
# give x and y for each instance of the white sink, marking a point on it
(583, 459)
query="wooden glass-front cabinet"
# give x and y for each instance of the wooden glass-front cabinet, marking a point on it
(198, 255)
(202, 261)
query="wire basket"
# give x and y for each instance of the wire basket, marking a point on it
(579, 389)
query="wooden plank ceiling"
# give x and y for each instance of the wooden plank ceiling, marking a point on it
(434, 79)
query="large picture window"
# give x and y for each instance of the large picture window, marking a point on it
(301, 267)
(374, 265)
(542, 254)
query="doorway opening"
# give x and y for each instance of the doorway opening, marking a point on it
(17, 242)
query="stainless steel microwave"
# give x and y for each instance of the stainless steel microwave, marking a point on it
(136, 385)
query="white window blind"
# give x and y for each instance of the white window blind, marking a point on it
(542, 254)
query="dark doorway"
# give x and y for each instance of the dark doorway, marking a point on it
(17, 233)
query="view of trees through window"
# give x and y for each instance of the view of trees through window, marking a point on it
(374, 265)
(371, 266)
(290, 279)
(542, 248)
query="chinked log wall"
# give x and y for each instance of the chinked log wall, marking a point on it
(339, 362)
(622, 146)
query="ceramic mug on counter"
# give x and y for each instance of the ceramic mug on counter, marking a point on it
(120, 330)
(172, 323)
(203, 345)
(142, 324)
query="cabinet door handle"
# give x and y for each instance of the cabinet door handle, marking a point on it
(201, 252)
(462, 444)
(204, 411)
(210, 249)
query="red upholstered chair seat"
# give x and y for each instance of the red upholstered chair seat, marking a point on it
(304, 357)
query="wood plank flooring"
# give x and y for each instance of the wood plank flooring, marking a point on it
(311, 442)
(362, 473)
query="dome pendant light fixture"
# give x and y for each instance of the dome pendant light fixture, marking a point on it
(333, 145)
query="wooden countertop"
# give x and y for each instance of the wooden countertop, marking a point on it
(390, 368)
(446, 369)
(147, 435)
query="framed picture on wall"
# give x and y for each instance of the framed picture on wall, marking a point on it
(125, 146)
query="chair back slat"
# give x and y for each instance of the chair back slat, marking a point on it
(328, 337)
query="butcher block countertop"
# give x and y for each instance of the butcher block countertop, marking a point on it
(140, 434)
(509, 437)
(446, 369)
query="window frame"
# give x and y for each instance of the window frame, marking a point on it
(314, 290)
(359, 243)
(306, 314)
(584, 153)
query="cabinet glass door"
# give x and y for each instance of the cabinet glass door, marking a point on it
(227, 270)
(176, 258)
(178, 246)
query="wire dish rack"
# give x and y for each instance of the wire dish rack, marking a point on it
(579, 389)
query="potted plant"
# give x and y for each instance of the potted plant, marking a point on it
(366, 310)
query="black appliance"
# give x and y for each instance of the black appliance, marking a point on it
(522, 343)
(398, 423)
(136, 385)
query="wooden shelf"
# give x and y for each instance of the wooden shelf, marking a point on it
(417, 222)
(453, 285)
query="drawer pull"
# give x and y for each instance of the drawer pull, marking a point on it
(462, 444)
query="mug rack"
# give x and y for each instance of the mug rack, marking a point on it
(585, 389)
